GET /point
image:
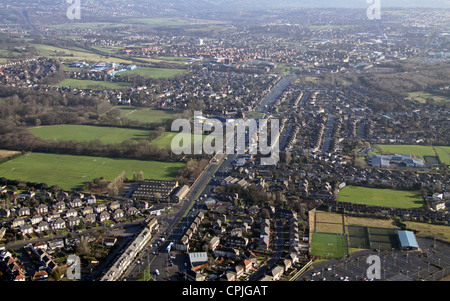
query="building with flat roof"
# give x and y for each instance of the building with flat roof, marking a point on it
(198, 260)
(155, 190)
(408, 240)
(385, 161)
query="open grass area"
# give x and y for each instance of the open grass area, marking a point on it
(328, 245)
(417, 150)
(423, 96)
(72, 172)
(443, 153)
(92, 84)
(75, 54)
(381, 197)
(107, 135)
(423, 229)
(145, 115)
(148, 72)
(165, 141)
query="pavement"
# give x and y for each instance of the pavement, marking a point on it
(432, 264)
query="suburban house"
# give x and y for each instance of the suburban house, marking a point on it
(114, 205)
(103, 216)
(26, 229)
(90, 218)
(213, 243)
(132, 211)
(87, 210)
(100, 208)
(73, 221)
(277, 272)
(36, 219)
(52, 216)
(59, 224)
(71, 213)
(43, 226)
(60, 206)
(42, 209)
(17, 222)
(24, 211)
(118, 214)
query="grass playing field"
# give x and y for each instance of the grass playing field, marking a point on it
(148, 72)
(417, 150)
(107, 135)
(165, 141)
(381, 197)
(145, 115)
(444, 153)
(72, 172)
(92, 84)
(328, 245)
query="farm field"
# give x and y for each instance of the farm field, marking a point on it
(107, 135)
(148, 72)
(381, 197)
(92, 84)
(145, 115)
(72, 172)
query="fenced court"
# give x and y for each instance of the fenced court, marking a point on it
(363, 237)
(332, 236)
(329, 245)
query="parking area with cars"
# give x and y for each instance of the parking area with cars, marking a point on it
(431, 263)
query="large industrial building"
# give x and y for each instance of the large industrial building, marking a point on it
(386, 161)
(155, 190)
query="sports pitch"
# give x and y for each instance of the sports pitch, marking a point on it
(329, 245)
(81, 133)
(145, 115)
(72, 172)
(381, 197)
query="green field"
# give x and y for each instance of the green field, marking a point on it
(145, 115)
(148, 72)
(423, 96)
(92, 84)
(328, 245)
(392, 149)
(107, 135)
(165, 141)
(71, 172)
(381, 197)
(444, 154)
(75, 54)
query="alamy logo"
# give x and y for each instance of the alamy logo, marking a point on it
(374, 270)
(74, 10)
(74, 267)
(242, 136)
(374, 10)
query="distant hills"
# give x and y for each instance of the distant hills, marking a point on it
(277, 4)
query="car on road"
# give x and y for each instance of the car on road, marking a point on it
(157, 272)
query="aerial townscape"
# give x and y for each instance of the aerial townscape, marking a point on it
(95, 186)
